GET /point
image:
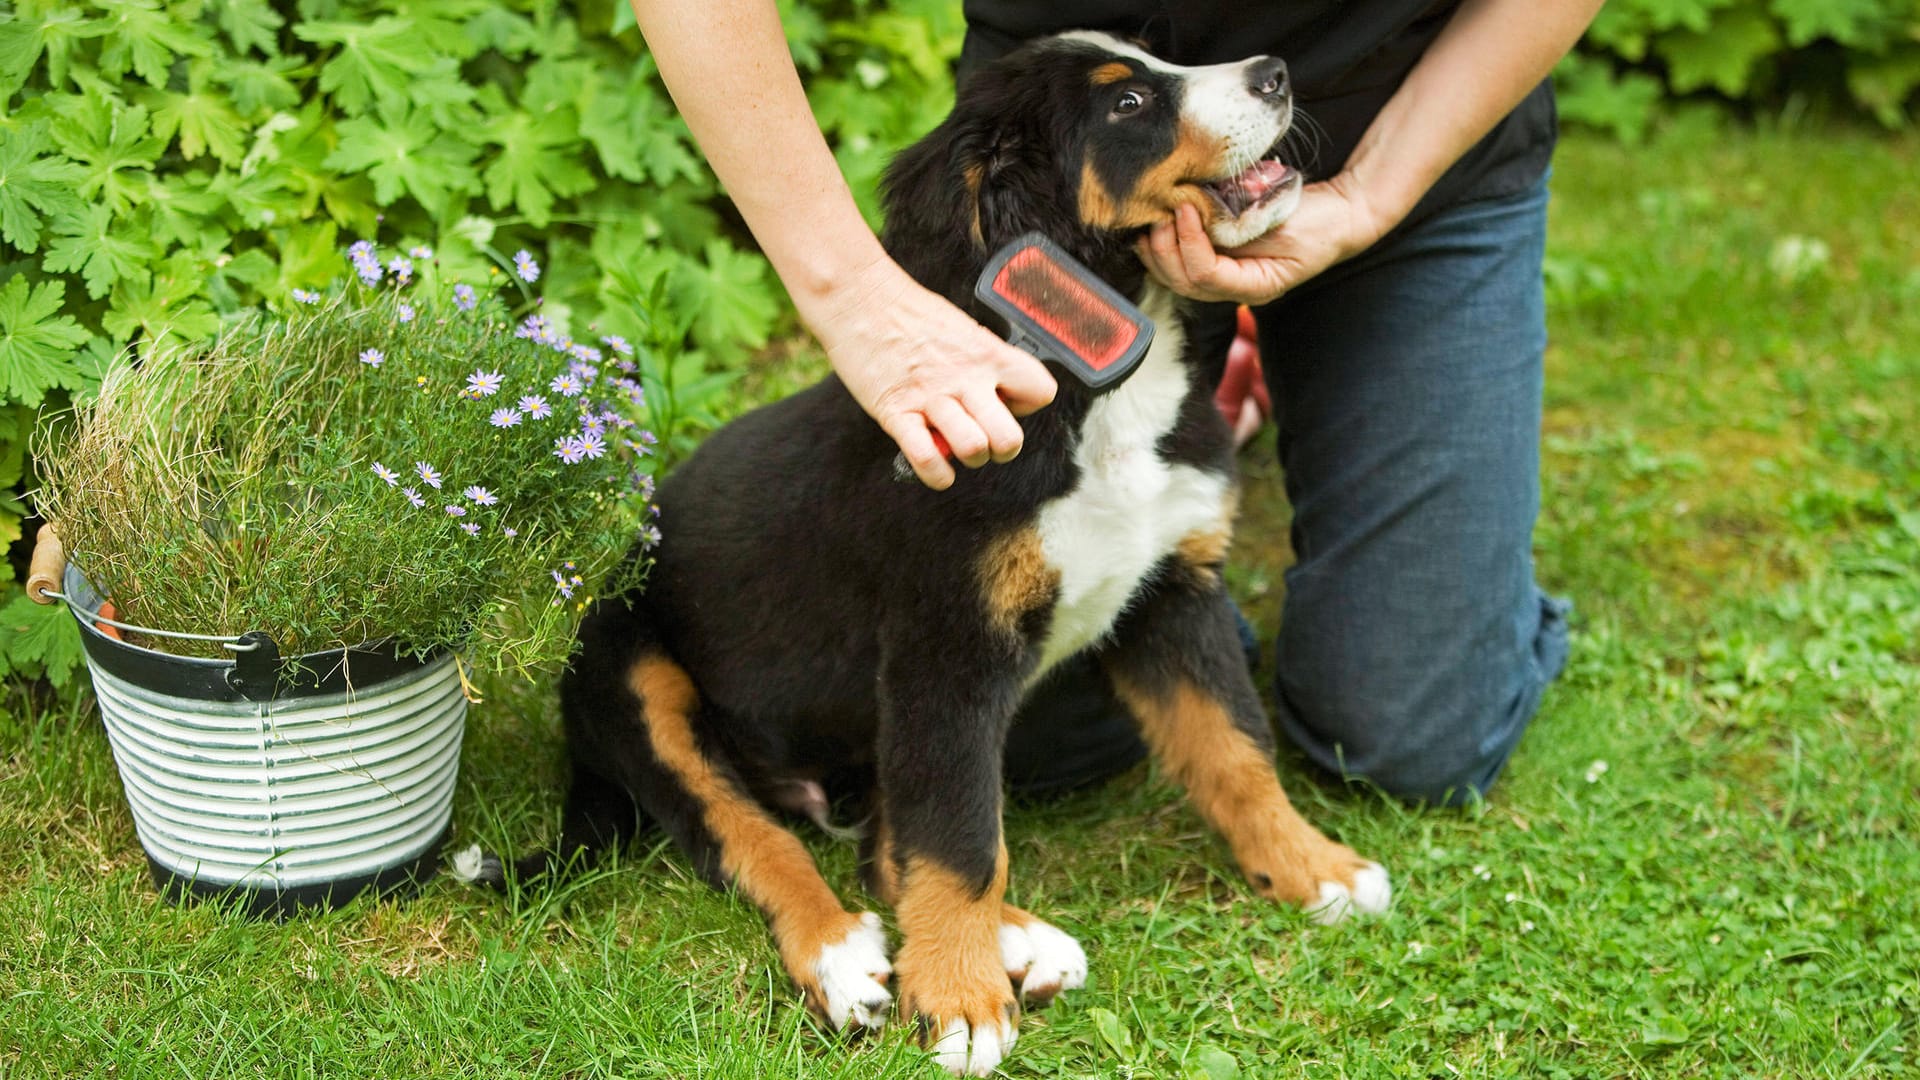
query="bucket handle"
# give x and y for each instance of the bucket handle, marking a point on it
(50, 558)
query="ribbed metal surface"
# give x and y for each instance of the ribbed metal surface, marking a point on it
(285, 794)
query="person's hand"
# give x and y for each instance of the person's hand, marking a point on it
(919, 365)
(1331, 224)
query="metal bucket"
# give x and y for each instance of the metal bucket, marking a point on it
(279, 784)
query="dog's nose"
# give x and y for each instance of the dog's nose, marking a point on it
(1267, 78)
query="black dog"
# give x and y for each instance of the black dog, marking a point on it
(812, 626)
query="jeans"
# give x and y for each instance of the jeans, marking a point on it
(1414, 645)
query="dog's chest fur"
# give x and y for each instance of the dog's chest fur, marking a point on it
(1132, 507)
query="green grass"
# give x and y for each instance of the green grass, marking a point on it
(1733, 500)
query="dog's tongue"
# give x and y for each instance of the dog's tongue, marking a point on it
(1259, 178)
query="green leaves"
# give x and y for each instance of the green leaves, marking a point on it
(1751, 50)
(35, 341)
(110, 143)
(405, 154)
(1722, 56)
(374, 61)
(38, 639)
(539, 160)
(35, 183)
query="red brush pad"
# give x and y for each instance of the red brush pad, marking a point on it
(1063, 307)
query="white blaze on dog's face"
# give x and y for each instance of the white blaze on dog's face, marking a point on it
(1164, 135)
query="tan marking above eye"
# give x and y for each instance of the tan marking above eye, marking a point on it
(1109, 73)
(1160, 188)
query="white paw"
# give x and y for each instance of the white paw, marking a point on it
(967, 1050)
(850, 976)
(1042, 960)
(1370, 895)
(470, 864)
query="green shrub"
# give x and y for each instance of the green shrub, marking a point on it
(1768, 54)
(391, 460)
(167, 164)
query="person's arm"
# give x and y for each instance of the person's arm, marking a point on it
(1487, 58)
(913, 361)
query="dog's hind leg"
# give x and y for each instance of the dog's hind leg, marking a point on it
(838, 958)
(1176, 661)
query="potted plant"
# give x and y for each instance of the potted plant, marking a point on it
(310, 530)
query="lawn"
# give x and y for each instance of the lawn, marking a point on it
(1704, 860)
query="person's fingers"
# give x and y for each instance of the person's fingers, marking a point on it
(921, 449)
(1024, 385)
(1198, 260)
(966, 438)
(1004, 435)
(1162, 255)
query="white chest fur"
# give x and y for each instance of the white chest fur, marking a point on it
(1131, 508)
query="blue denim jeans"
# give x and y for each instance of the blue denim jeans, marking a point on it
(1414, 645)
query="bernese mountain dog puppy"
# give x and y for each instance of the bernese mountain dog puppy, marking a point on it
(814, 629)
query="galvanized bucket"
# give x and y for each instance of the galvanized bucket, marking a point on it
(278, 784)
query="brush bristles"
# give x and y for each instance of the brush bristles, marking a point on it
(1053, 300)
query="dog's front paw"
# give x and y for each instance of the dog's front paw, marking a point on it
(1330, 882)
(1366, 892)
(968, 1024)
(1041, 959)
(849, 983)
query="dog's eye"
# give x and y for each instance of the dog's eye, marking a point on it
(1129, 102)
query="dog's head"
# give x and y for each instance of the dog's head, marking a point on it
(1090, 140)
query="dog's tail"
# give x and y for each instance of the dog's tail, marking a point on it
(600, 816)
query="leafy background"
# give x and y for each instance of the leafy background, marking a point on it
(164, 164)
(1761, 56)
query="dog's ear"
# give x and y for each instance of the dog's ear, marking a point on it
(1011, 179)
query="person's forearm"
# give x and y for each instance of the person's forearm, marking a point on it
(1487, 58)
(727, 65)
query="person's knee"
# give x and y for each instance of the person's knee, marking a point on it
(1440, 739)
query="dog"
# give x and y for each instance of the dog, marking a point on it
(813, 629)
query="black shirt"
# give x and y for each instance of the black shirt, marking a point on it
(1345, 58)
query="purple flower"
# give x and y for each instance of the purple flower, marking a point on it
(524, 265)
(617, 344)
(484, 383)
(456, 511)
(306, 296)
(480, 495)
(420, 251)
(427, 473)
(463, 297)
(593, 424)
(472, 529)
(593, 444)
(504, 418)
(533, 327)
(402, 268)
(650, 536)
(509, 531)
(413, 497)
(570, 450)
(586, 354)
(365, 262)
(566, 385)
(373, 358)
(406, 313)
(535, 406)
(561, 583)
(632, 390)
(386, 474)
